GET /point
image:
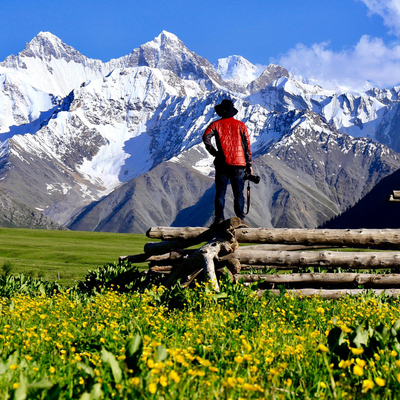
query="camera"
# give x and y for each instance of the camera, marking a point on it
(253, 178)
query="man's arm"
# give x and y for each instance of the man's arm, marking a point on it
(208, 135)
(246, 149)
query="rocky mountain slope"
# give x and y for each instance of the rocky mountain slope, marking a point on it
(307, 176)
(373, 211)
(17, 215)
(89, 143)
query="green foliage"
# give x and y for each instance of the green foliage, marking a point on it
(7, 267)
(122, 277)
(11, 285)
(370, 340)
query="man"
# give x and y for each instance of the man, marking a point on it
(232, 158)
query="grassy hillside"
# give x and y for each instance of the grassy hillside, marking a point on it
(67, 255)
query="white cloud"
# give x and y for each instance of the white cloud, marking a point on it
(389, 10)
(370, 63)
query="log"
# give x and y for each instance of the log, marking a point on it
(331, 293)
(248, 267)
(396, 194)
(286, 247)
(209, 252)
(328, 259)
(141, 258)
(174, 233)
(203, 259)
(339, 237)
(393, 199)
(138, 258)
(154, 248)
(161, 268)
(323, 279)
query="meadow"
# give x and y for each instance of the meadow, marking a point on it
(65, 256)
(119, 335)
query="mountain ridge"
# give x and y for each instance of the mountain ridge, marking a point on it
(66, 151)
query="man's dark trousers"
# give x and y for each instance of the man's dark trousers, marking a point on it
(224, 174)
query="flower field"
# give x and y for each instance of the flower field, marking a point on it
(193, 344)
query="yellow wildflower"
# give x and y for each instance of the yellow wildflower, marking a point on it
(367, 385)
(322, 348)
(231, 381)
(380, 381)
(357, 370)
(356, 351)
(164, 380)
(135, 381)
(360, 362)
(174, 376)
(345, 328)
(153, 388)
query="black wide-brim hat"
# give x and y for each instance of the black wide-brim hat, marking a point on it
(225, 109)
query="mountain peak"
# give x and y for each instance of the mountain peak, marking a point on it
(45, 45)
(166, 39)
(236, 69)
(46, 36)
(168, 35)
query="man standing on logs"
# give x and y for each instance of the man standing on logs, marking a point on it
(232, 158)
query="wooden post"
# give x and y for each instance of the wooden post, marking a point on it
(374, 238)
(329, 259)
(203, 235)
(331, 293)
(324, 279)
(203, 259)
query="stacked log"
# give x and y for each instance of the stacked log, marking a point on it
(394, 197)
(295, 250)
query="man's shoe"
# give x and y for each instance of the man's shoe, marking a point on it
(216, 222)
(244, 224)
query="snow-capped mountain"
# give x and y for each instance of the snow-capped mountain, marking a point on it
(357, 114)
(75, 130)
(309, 173)
(237, 69)
(51, 66)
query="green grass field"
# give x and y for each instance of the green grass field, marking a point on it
(64, 256)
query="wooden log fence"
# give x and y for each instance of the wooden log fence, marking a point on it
(274, 253)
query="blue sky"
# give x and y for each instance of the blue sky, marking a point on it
(334, 42)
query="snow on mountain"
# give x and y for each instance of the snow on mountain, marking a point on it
(22, 107)
(237, 69)
(114, 114)
(166, 51)
(358, 115)
(308, 174)
(74, 129)
(51, 66)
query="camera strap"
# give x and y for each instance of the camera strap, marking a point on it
(248, 197)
